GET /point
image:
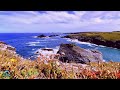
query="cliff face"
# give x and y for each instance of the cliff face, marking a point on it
(73, 53)
(97, 39)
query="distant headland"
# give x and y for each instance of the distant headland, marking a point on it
(109, 39)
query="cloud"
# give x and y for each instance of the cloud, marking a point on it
(59, 21)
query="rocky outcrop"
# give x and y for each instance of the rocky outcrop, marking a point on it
(47, 49)
(73, 53)
(8, 49)
(41, 36)
(2, 42)
(11, 48)
(4, 46)
(53, 35)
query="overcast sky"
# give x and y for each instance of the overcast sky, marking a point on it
(58, 21)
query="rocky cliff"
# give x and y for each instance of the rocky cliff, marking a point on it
(4, 46)
(73, 53)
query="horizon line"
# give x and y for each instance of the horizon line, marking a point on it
(59, 32)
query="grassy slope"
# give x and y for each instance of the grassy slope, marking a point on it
(13, 67)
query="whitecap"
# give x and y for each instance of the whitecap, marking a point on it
(34, 36)
(41, 40)
(102, 46)
(32, 45)
(53, 39)
(33, 42)
(95, 44)
(33, 49)
(77, 41)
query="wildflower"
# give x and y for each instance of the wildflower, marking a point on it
(118, 74)
(3, 65)
(97, 72)
(57, 63)
(13, 60)
(108, 71)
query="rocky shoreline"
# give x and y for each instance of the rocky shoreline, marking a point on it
(69, 53)
(10, 49)
(95, 39)
(4, 46)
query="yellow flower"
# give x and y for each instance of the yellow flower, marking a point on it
(13, 60)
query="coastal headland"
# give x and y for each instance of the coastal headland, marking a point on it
(109, 39)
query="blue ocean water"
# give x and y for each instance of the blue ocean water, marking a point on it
(26, 44)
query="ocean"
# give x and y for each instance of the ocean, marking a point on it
(27, 44)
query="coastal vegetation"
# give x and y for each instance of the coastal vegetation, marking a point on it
(13, 66)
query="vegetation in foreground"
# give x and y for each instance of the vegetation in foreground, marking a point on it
(13, 67)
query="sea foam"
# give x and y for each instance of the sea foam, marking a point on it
(33, 42)
(76, 41)
(55, 50)
(34, 36)
(89, 44)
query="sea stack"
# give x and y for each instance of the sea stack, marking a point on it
(41, 36)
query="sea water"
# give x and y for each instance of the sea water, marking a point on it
(27, 44)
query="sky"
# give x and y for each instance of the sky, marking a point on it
(58, 21)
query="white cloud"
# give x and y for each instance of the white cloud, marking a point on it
(59, 20)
